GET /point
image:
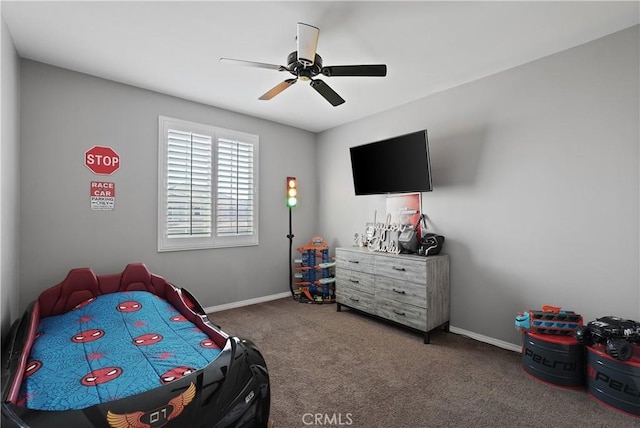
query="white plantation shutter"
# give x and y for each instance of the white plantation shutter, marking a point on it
(234, 198)
(207, 187)
(189, 192)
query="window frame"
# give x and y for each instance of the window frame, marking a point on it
(166, 243)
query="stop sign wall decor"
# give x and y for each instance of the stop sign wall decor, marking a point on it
(102, 160)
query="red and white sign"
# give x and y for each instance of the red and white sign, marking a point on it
(103, 195)
(102, 160)
(103, 188)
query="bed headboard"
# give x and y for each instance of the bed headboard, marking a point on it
(82, 284)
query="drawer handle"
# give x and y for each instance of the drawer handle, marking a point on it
(355, 299)
(401, 269)
(355, 281)
(399, 291)
(399, 313)
(354, 261)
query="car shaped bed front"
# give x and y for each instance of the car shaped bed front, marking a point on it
(128, 350)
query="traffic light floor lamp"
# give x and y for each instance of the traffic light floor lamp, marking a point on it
(292, 201)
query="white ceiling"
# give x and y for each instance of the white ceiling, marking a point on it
(428, 46)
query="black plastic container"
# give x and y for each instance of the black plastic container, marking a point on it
(613, 382)
(553, 359)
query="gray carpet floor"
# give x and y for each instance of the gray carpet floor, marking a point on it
(330, 368)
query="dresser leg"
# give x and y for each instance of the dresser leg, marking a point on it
(427, 338)
(338, 307)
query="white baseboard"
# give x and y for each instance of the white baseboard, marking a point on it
(248, 302)
(486, 339)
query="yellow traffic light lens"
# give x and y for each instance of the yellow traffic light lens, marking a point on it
(293, 192)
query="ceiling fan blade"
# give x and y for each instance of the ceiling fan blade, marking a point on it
(326, 91)
(374, 70)
(307, 43)
(277, 89)
(254, 64)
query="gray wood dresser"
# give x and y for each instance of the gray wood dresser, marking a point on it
(406, 289)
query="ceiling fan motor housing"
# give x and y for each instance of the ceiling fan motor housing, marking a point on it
(302, 70)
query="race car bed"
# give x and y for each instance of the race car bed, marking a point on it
(128, 350)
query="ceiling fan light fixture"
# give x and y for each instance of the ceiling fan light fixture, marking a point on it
(307, 43)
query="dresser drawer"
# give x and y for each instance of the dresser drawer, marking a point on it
(405, 269)
(361, 281)
(355, 260)
(402, 313)
(355, 299)
(401, 291)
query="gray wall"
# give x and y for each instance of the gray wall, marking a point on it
(536, 174)
(9, 195)
(65, 113)
(536, 185)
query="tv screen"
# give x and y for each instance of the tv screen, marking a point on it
(395, 165)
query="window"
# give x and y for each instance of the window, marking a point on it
(208, 190)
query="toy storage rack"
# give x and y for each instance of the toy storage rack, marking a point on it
(314, 279)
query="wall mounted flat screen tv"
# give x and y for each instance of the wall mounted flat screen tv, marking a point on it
(395, 165)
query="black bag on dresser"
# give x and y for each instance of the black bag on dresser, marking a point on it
(431, 244)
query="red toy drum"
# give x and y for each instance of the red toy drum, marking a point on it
(554, 359)
(613, 382)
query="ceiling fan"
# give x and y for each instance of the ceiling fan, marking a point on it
(305, 64)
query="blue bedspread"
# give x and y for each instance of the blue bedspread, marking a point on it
(111, 347)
